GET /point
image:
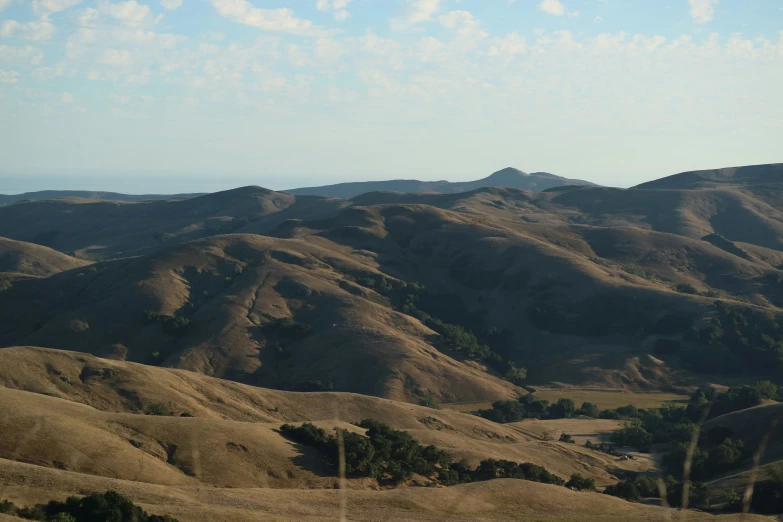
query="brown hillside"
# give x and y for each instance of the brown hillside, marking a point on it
(98, 230)
(231, 288)
(20, 260)
(479, 273)
(234, 429)
(747, 175)
(495, 500)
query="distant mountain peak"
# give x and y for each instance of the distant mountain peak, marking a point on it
(509, 173)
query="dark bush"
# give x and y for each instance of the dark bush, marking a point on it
(625, 489)
(565, 437)
(686, 288)
(7, 507)
(314, 386)
(429, 402)
(106, 507)
(589, 409)
(159, 409)
(633, 435)
(307, 433)
(580, 483)
(289, 329)
(563, 408)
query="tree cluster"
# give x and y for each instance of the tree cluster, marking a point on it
(387, 454)
(97, 507)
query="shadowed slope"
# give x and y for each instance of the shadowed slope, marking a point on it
(105, 230)
(19, 260)
(233, 289)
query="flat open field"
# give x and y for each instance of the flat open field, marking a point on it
(602, 397)
(607, 398)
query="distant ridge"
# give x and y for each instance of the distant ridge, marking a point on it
(507, 177)
(86, 194)
(767, 174)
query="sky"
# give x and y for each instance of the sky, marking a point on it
(198, 95)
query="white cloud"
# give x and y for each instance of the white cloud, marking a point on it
(20, 55)
(141, 78)
(44, 8)
(41, 30)
(116, 57)
(418, 11)
(509, 46)
(67, 97)
(338, 6)
(280, 20)
(170, 5)
(468, 27)
(5, 4)
(88, 17)
(553, 7)
(598, 19)
(129, 13)
(8, 76)
(702, 11)
(47, 73)
(119, 98)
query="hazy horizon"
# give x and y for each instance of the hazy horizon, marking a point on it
(133, 184)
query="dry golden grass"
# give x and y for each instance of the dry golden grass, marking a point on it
(493, 500)
(608, 399)
(233, 439)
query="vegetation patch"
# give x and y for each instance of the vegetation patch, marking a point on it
(407, 298)
(393, 455)
(97, 507)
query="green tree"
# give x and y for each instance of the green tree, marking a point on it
(580, 483)
(590, 409)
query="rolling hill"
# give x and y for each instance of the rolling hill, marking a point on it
(42, 195)
(242, 310)
(732, 176)
(98, 230)
(69, 427)
(20, 260)
(508, 177)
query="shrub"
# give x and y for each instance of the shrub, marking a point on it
(307, 433)
(429, 402)
(628, 411)
(314, 386)
(625, 489)
(563, 408)
(580, 483)
(109, 506)
(159, 409)
(7, 507)
(63, 517)
(686, 288)
(589, 409)
(31, 513)
(634, 435)
(289, 329)
(150, 316)
(516, 375)
(565, 437)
